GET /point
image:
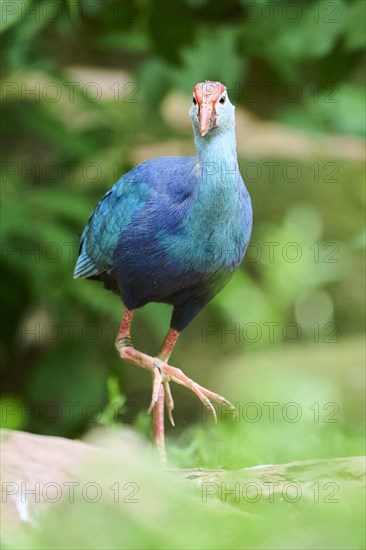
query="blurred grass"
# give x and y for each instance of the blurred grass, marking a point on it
(173, 519)
(293, 402)
(124, 501)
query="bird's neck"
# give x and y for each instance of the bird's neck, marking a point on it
(218, 146)
(218, 165)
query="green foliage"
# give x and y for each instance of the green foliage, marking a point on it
(296, 403)
(170, 517)
(57, 334)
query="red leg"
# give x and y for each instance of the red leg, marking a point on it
(161, 390)
(124, 332)
(162, 394)
(159, 432)
(168, 344)
(163, 374)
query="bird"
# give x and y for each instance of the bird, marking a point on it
(173, 230)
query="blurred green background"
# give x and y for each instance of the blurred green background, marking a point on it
(91, 88)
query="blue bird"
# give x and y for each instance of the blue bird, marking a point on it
(173, 230)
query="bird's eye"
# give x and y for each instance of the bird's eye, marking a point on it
(222, 100)
(194, 101)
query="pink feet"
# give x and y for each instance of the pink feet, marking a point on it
(163, 374)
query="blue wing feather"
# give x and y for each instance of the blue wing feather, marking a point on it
(158, 181)
(111, 216)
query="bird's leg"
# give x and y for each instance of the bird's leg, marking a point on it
(163, 374)
(124, 333)
(162, 394)
(164, 355)
(161, 389)
(159, 432)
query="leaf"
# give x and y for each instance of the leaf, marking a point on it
(11, 12)
(341, 109)
(167, 36)
(207, 60)
(355, 26)
(294, 31)
(11, 412)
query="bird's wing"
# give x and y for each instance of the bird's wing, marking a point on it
(111, 216)
(161, 182)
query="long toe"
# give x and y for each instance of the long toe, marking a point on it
(203, 394)
(169, 402)
(163, 373)
(157, 382)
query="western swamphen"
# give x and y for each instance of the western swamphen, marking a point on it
(173, 230)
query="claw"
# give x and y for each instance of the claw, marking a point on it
(204, 400)
(203, 395)
(163, 373)
(215, 396)
(169, 402)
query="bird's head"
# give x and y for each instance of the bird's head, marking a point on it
(211, 108)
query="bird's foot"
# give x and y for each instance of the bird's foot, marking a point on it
(167, 373)
(163, 374)
(160, 379)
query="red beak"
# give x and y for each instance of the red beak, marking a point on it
(206, 94)
(205, 117)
